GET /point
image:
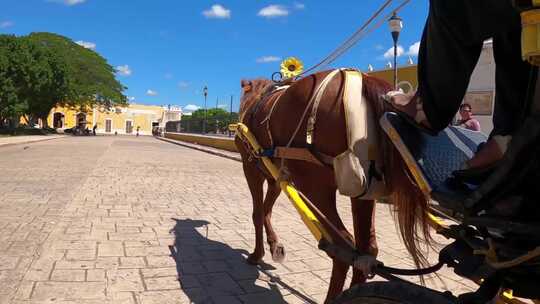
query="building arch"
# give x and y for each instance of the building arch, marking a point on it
(59, 120)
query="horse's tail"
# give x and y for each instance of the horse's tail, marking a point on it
(411, 208)
(409, 203)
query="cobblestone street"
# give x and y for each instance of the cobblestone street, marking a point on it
(99, 219)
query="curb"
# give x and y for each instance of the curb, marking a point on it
(201, 148)
(29, 141)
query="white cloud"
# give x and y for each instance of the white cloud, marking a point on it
(414, 49)
(183, 84)
(86, 44)
(266, 59)
(217, 11)
(151, 93)
(191, 108)
(390, 53)
(223, 106)
(131, 98)
(124, 70)
(68, 2)
(74, 2)
(299, 6)
(6, 24)
(273, 11)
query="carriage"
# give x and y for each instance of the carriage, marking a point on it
(490, 243)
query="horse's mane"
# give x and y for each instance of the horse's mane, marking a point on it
(258, 87)
(410, 204)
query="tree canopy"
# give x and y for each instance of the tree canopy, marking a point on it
(42, 70)
(216, 119)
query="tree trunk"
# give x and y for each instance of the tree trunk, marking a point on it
(44, 122)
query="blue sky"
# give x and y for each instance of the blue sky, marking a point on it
(167, 50)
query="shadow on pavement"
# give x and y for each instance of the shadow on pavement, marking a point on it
(213, 272)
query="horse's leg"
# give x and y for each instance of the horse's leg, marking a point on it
(255, 182)
(363, 213)
(325, 200)
(276, 248)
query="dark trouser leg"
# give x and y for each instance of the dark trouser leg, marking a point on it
(451, 44)
(512, 78)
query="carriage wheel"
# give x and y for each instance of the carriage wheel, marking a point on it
(392, 293)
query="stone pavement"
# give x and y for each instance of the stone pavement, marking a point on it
(99, 220)
(17, 140)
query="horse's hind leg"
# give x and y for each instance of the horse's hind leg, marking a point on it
(325, 200)
(255, 182)
(277, 249)
(363, 213)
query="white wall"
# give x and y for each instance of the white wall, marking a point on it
(483, 79)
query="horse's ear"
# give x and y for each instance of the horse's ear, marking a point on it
(246, 85)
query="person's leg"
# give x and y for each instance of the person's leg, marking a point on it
(512, 78)
(450, 47)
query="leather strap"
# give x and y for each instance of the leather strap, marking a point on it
(316, 101)
(296, 154)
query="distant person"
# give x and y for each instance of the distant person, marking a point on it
(138, 128)
(94, 130)
(467, 120)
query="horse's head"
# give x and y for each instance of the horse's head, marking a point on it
(252, 91)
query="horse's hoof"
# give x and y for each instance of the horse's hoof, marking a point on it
(278, 253)
(254, 260)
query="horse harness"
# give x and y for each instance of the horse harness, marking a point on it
(271, 97)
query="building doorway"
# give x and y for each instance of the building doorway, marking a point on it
(58, 120)
(81, 120)
(108, 126)
(129, 126)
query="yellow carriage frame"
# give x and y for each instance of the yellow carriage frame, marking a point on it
(307, 210)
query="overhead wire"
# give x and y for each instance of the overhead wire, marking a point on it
(357, 36)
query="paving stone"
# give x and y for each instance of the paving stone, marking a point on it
(124, 280)
(111, 249)
(132, 262)
(7, 262)
(219, 284)
(68, 275)
(63, 291)
(111, 218)
(81, 254)
(162, 283)
(159, 272)
(160, 261)
(95, 275)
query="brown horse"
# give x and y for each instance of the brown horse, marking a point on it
(273, 121)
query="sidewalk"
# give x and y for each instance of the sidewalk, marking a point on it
(19, 140)
(210, 150)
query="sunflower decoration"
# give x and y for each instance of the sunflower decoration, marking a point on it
(291, 67)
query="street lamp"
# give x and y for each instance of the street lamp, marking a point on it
(205, 92)
(396, 25)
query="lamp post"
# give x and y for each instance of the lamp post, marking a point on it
(205, 92)
(230, 116)
(396, 25)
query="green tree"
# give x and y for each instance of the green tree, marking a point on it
(90, 79)
(49, 80)
(15, 73)
(42, 70)
(216, 119)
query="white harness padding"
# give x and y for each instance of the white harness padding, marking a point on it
(358, 170)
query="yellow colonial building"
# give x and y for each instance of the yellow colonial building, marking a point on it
(407, 77)
(117, 120)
